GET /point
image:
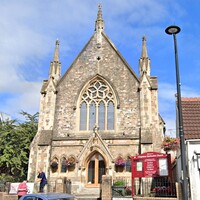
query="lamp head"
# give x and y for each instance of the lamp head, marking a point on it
(172, 30)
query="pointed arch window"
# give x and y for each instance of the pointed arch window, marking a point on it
(63, 165)
(83, 116)
(128, 164)
(92, 116)
(97, 106)
(110, 115)
(101, 118)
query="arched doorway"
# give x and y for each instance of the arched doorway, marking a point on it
(95, 170)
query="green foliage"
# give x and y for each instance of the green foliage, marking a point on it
(119, 183)
(15, 139)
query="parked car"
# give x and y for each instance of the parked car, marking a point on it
(48, 196)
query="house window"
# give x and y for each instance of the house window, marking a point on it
(97, 107)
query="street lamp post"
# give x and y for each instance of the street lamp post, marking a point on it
(173, 30)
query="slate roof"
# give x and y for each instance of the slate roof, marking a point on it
(191, 117)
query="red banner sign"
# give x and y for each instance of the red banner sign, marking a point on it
(150, 164)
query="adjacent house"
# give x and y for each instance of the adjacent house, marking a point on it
(191, 125)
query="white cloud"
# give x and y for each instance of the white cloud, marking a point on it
(27, 100)
(29, 30)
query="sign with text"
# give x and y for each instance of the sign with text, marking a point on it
(150, 167)
(150, 164)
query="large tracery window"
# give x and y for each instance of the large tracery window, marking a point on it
(97, 107)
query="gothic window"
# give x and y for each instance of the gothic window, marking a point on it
(110, 116)
(83, 116)
(97, 107)
(54, 164)
(92, 115)
(120, 164)
(68, 165)
(63, 165)
(101, 120)
(71, 163)
(128, 164)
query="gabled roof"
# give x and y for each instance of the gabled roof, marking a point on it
(191, 117)
(45, 85)
(100, 35)
(109, 42)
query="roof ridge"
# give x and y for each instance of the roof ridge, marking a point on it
(190, 99)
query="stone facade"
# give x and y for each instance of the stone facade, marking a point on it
(101, 79)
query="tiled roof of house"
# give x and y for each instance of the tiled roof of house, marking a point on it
(191, 117)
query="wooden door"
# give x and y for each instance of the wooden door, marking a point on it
(95, 170)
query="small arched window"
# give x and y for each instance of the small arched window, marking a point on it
(63, 165)
(97, 106)
(120, 164)
(71, 163)
(128, 164)
(54, 164)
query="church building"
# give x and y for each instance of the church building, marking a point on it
(96, 116)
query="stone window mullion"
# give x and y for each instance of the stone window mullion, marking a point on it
(87, 121)
(106, 116)
(97, 113)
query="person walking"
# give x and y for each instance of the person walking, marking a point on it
(22, 189)
(41, 178)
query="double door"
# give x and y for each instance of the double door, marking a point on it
(95, 170)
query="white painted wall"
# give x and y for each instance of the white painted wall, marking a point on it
(194, 173)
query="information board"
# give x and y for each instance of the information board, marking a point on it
(150, 164)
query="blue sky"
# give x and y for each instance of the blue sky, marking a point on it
(29, 30)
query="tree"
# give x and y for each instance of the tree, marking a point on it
(15, 140)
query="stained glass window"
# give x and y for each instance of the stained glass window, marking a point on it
(110, 116)
(83, 116)
(101, 120)
(97, 106)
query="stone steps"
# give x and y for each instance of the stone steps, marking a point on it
(87, 197)
(89, 194)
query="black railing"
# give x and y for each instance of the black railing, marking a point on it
(121, 191)
(158, 187)
(121, 187)
(155, 187)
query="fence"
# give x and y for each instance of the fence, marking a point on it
(121, 187)
(152, 187)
